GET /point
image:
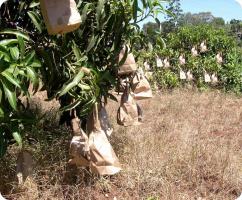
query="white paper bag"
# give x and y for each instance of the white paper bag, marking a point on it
(147, 66)
(194, 52)
(60, 16)
(166, 63)
(214, 78)
(203, 47)
(159, 62)
(207, 77)
(189, 76)
(219, 58)
(182, 75)
(182, 60)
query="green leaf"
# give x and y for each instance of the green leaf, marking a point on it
(11, 79)
(10, 94)
(18, 138)
(72, 105)
(4, 52)
(14, 51)
(21, 46)
(29, 58)
(34, 4)
(15, 32)
(8, 42)
(92, 43)
(36, 21)
(1, 113)
(135, 10)
(32, 75)
(72, 84)
(76, 51)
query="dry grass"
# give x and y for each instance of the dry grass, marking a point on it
(189, 147)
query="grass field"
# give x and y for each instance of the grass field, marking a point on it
(189, 147)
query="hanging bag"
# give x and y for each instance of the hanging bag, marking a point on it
(60, 16)
(141, 87)
(129, 65)
(103, 160)
(104, 121)
(128, 112)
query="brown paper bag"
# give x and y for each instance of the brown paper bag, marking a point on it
(141, 87)
(103, 160)
(105, 124)
(128, 112)
(24, 166)
(79, 150)
(60, 16)
(129, 65)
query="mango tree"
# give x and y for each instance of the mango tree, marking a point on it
(77, 68)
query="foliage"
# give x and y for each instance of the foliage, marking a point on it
(18, 69)
(77, 68)
(217, 40)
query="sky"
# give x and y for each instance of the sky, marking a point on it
(227, 9)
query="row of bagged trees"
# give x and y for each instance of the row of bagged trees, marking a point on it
(199, 54)
(78, 68)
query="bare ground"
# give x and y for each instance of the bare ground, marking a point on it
(189, 147)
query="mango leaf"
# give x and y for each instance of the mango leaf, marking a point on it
(72, 84)
(135, 10)
(92, 43)
(1, 113)
(34, 4)
(36, 21)
(8, 42)
(14, 51)
(4, 52)
(84, 12)
(15, 32)
(72, 105)
(11, 78)
(18, 138)
(76, 51)
(10, 94)
(21, 46)
(32, 75)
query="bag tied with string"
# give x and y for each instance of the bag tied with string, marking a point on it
(104, 120)
(103, 160)
(79, 146)
(128, 114)
(141, 87)
(129, 65)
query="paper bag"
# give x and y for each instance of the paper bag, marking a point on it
(182, 75)
(207, 77)
(24, 166)
(194, 52)
(203, 47)
(219, 58)
(189, 76)
(159, 62)
(141, 87)
(147, 66)
(105, 124)
(214, 78)
(182, 60)
(128, 112)
(103, 160)
(166, 63)
(79, 150)
(129, 65)
(60, 16)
